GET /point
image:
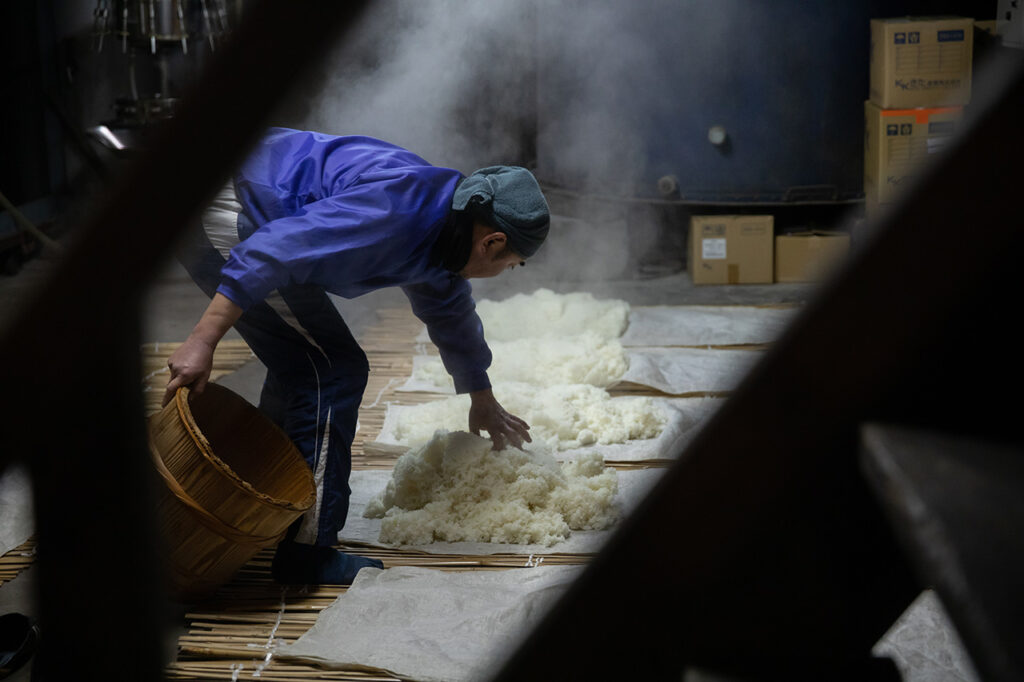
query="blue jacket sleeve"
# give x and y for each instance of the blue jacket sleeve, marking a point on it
(446, 306)
(357, 236)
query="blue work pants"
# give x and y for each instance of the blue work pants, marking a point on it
(316, 373)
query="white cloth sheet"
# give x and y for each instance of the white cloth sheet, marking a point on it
(682, 371)
(431, 625)
(367, 484)
(925, 646)
(705, 325)
(395, 609)
(17, 519)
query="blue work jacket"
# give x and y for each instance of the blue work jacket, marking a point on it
(354, 214)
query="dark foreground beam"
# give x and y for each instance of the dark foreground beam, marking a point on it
(761, 551)
(71, 375)
(957, 506)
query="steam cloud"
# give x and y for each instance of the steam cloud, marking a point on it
(438, 77)
(470, 84)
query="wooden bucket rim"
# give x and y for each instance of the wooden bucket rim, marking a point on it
(188, 420)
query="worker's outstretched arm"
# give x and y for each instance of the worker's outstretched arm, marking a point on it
(503, 427)
(192, 363)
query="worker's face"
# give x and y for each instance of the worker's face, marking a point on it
(490, 255)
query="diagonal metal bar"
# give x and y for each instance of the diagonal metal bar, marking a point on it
(761, 551)
(73, 407)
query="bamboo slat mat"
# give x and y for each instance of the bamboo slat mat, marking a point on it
(17, 560)
(389, 347)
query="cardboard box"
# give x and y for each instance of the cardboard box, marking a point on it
(731, 249)
(921, 62)
(900, 143)
(809, 256)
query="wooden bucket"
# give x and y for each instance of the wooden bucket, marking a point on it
(235, 482)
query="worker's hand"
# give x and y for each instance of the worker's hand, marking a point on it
(190, 365)
(504, 429)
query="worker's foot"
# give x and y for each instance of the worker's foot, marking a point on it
(298, 564)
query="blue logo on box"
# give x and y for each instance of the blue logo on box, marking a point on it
(914, 37)
(892, 129)
(899, 38)
(951, 36)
